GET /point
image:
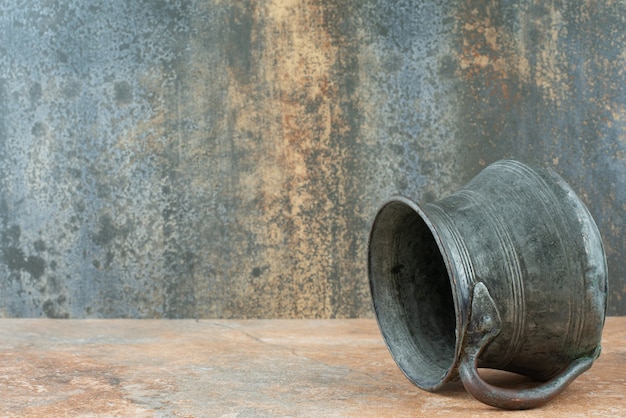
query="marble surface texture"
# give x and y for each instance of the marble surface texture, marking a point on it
(254, 368)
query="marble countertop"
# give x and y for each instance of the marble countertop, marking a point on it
(250, 368)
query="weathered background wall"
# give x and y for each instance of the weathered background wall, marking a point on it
(225, 159)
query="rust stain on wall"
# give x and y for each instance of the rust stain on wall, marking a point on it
(296, 173)
(271, 160)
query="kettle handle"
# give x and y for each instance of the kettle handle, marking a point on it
(483, 327)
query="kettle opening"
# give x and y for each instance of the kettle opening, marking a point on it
(412, 294)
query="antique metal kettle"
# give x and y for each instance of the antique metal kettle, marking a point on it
(507, 273)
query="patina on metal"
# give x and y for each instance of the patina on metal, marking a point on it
(507, 273)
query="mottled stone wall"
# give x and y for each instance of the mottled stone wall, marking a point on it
(225, 159)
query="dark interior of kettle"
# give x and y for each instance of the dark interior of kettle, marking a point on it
(412, 294)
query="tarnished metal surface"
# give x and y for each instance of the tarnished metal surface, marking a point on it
(507, 273)
(224, 159)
